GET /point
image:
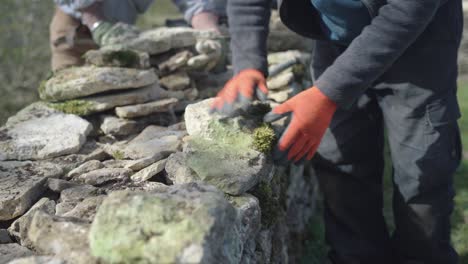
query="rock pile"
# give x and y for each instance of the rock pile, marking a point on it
(108, 169)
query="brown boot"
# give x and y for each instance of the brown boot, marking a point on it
(69, 40)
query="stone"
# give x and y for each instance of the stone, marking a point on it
(198, 118)
(175, 62)
(64, 237)
(141, 227)
(100, 103)
(188, 94)
(76, 82)
(19, 228)
(145, 109)
(105, 175)
(118, 58)
(114, 126)
(116, 163)
(142, 163)
(5, 237)
(280, 81)
(177, 170)
(86, 210)
(38, 260)
(249, 214)
(176, 81)
(280, 96)
(22, 184)
(280, 57)
(153, 140)
(69, 198)
(43, 137)
(150, 171)
(30, 112)
(12, 251)
(58, 185)
(85, 168)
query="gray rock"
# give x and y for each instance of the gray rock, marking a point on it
(187, 94)
(264, 245)
(198, 118)
(178, 172)
(86, 210)
(112, 125)
(118, 58)
(152, 141)
(105, 175)
(100, 103)
(10, 252)
(141, 227)
(5, 237)
(19, 228)
(43, 137)
(64, 237)
(280, 81)
(176, 81)
(22, 184)
(84, 168)
(150, 171)
(139, 164)
(69, 198)
(38, 260)
(280, 96)
(32, 111)
(57, 185)
(76, 82)
(145, 109)
(116, 163)
(248, 213)
(175, 62)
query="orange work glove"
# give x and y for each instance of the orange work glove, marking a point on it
(242, 89)
(312, 112)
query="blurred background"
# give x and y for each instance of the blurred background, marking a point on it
(24, 63)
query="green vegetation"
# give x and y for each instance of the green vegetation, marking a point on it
(264, 138)
(123, 58)
(118, 155)
(76, 107)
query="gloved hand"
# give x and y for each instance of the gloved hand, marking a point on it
(107, 33)
(211, 53)
(242, 89)
(312, 112)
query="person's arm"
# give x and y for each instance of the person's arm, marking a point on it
(202, 14)
(380, 44)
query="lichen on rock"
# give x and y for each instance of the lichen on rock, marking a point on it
(75, 107)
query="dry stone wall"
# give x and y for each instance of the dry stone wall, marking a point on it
(121, 162)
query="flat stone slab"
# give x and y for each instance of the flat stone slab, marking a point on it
(76, 82)
(141, 227)
(21, 185)
(118, 58)
(38, 260)
(145, 109)
(176, 81)
(44, 137)
(112, 125)
(100, 103)
(105, 175)
(152, 141)
(150, 171)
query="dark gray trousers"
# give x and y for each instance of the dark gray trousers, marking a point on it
(415, 102)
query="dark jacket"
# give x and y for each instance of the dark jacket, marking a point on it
(396, 24)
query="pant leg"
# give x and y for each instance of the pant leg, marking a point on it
(417, 96)
(349, 167)
(69, 40)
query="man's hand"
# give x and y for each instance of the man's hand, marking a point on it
(242, 89)
(311, 112)
(107, 33)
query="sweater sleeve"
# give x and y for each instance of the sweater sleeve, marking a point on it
(192, 7)
(379, 45)
(248, 26)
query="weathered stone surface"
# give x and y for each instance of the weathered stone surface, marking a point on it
(176, 81)
(58, 185)
(105, 175)
(116, 163)
(139, 164)
(84, 168)
(76, 82)
(198, 118)
(145, 109)
(112, 125)
(152, 141)
(5, 237)
(48, 136)
(280, 96)
(118, 58)
(65, 237)
(175, 62)
(38, 260)
(141, 227)
(22, 184)
(10, 252)
(19, 228)
(178, 172)
(86, 210)
(100, 103)
(150, 171)
(69, 198)
(280, 81)
(32, 111)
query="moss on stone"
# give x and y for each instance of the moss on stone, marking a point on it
(118, 155)
(269, 204)
(125, 58)
(263, 138)
(41, 88)
(75, 107)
